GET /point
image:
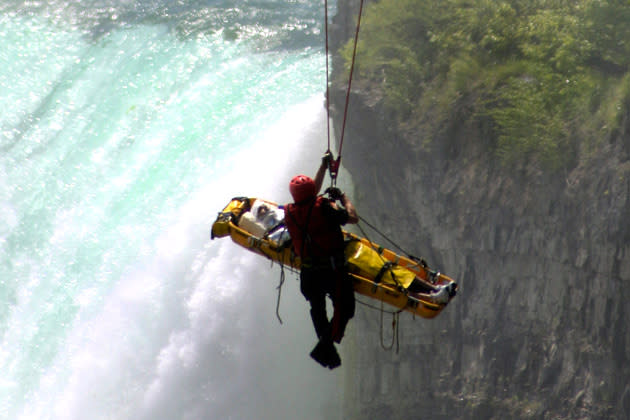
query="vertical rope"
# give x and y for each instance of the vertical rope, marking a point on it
(334, 166)
(327, 71)
(395, 324)
(354, 54)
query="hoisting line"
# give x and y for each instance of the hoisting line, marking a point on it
(334, 165)
(327, 82)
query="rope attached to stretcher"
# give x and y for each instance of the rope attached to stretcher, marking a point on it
(419, 260)
(387, 265)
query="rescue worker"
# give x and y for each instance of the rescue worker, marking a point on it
(314, 223)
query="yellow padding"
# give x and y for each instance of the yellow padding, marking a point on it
(364, 261)
(221, 227)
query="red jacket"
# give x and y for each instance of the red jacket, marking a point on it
(315, 228)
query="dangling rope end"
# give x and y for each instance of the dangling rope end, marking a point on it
(279, 288)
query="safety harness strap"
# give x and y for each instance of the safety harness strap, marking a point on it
(386, 267)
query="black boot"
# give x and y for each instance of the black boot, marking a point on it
(326, 354)
(333, 357)
(319, 354)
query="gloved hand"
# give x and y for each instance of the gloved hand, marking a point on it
(327, 158)
(334, 193)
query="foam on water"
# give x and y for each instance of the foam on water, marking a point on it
(116, 153)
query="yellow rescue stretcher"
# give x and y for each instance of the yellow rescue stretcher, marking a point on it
(378, 273)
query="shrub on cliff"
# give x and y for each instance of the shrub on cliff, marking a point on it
(541, 74)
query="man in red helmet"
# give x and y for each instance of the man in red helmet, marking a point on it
(314, 223)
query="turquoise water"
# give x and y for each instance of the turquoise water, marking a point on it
(126, 127)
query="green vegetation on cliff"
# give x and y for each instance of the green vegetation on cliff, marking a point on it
(543, 79)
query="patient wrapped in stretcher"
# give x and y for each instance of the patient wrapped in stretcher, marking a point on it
(265, 220)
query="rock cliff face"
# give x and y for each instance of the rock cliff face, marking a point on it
(540, 327)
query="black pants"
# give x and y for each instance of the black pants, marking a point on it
(315, 284)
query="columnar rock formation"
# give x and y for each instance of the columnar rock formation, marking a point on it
(540, 327)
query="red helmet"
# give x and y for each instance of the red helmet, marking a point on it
(302, 188)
